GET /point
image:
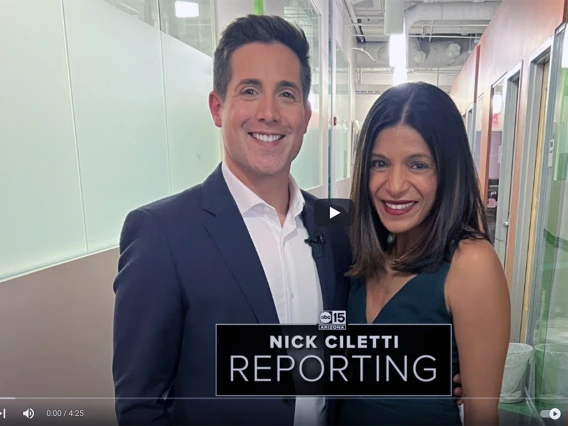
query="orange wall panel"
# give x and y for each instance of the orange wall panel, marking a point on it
(518, 28)
(464, 87)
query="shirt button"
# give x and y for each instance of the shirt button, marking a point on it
(292, 295)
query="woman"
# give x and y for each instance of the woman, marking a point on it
(422, 254)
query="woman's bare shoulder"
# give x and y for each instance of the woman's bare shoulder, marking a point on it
(477, 257)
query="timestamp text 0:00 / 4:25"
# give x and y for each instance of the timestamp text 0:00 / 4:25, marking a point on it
(65, 413)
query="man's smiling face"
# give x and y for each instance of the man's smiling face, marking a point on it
(263, 116)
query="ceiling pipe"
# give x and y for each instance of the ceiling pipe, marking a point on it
(353, 17)
(449, 12)
(394, 17)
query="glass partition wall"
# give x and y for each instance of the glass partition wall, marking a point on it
(342, 125)
(111, 94)
(307, 167)
(547, 330)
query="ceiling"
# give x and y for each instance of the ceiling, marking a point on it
(370, 17)
(441, 36)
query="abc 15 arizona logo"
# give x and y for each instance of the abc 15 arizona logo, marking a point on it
(333, 320)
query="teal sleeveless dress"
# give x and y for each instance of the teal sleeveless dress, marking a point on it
(421, 300)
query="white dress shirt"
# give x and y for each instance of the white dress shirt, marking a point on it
(289, 268)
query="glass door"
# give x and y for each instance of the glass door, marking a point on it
(502, 150)
(548, 329)
(342, 126)
(476, 151)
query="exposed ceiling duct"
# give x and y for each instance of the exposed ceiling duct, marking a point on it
(455, 11)
(435, 54)
(449, 52)
(394, 17)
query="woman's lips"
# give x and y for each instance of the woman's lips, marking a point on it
(398, 208)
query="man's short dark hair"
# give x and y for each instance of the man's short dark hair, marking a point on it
(260, 29)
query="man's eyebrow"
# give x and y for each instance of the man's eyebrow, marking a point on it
(250, 82)
(289, 84)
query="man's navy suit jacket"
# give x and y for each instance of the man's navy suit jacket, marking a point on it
(187, 262)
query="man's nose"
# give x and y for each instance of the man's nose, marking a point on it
(268, 110)
(396, 183)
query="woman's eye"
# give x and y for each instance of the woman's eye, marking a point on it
(378, 164)
(419, 166)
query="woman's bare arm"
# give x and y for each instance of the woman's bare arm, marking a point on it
(478, 297)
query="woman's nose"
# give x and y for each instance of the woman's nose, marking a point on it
(396, 183)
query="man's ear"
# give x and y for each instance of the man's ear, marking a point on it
(215, 106)
(307, 115)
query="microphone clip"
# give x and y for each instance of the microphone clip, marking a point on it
(317, 240)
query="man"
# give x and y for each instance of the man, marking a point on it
(230, 250)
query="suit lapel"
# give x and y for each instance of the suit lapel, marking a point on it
(323, 256)
(230, 234)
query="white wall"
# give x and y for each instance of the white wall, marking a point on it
(99, 109)
(229, 10)
(41, 216)
(363, 104)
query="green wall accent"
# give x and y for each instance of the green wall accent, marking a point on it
(259, 7)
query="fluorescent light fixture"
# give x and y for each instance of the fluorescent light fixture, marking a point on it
(397, 50)
(398, 53)
(186, 9)
(399, 76)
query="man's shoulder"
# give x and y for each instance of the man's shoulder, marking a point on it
(309, 198)
(184, 204)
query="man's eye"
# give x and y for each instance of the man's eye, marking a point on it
(249, 92)
(289, 95)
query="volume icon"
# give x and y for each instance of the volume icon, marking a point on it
(29, 413)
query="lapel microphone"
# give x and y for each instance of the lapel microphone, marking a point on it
(317, 240)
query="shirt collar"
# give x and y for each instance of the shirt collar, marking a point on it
(246, 199)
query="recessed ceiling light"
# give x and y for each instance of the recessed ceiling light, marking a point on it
(186, 9)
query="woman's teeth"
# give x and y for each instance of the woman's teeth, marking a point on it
(266, 138)
(399, 206)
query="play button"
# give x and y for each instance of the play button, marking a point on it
(334, 212)
(555, 414)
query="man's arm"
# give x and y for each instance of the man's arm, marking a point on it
(148, 322)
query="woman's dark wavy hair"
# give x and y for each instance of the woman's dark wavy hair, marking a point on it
(457, 213)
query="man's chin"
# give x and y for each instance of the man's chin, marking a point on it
(271, 170)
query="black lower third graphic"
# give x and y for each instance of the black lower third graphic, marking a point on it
(353, 360)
